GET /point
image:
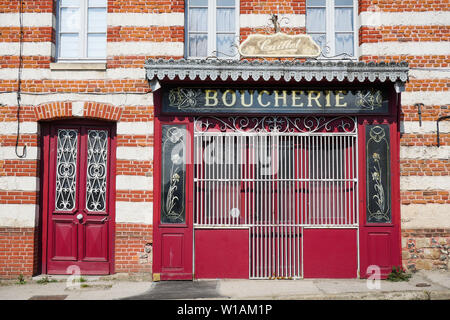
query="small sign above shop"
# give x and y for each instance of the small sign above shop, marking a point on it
(191, 100)
(279, 45)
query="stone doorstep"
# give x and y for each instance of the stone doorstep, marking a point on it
(89, 278)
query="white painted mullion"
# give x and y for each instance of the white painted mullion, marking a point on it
(58, 30)
(329, 13)
(212, 36)
(356, 26)
(237, 10)
(83, 29)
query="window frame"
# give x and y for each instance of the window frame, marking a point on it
(330, 32)
(211, 32)
(82, 32)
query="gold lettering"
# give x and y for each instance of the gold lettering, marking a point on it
(209, 97)
(260, 100)
(327, 98)
(277, 98)
(339, 98)
(243, 98)
(316, 98)
(233, 98)
(295, 98)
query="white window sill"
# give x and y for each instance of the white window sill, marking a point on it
(88, 66)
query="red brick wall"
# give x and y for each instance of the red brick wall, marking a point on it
(18, 252)
(133, 252)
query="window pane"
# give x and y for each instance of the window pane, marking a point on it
(198, 20)
(344, 44)
(173, 173)
(97, 3)
(67, 3)
(315, 20)
(198, 45)
(225, 46)
(225, 3)
(315, 2)
(343, 19)
(320, 39)
(198, 2)
(344, 2)
(96, 20)
(70, 19)
(69, 45)
(96, 46)
(225, 20)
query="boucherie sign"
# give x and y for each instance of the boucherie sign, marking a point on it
(279, 45)
(193, 100)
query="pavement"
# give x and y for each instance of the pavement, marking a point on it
(423, 285)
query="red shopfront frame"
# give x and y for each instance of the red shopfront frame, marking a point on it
(377, 243)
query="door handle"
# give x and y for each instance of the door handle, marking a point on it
(79, 216)
(104, 219)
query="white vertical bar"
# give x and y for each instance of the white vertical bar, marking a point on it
(341, 177)
(267, 206)
(253, 203)
(213, 193)
(290, 152)
(329, 140)
(333, 176)
(202, 168)
(347, 177)
(286, 202)
(320, 150)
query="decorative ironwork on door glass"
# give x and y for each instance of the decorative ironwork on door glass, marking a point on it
(66, 169)
(97, 157)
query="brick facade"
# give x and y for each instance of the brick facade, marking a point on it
(142, 29)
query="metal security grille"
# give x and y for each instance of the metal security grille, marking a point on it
(275, 176)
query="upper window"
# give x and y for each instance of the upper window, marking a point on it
(81, 30)
(331, 23)
(212, 27)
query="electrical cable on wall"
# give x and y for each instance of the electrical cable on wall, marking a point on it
(24, 151)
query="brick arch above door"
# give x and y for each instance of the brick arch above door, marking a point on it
(76, 109)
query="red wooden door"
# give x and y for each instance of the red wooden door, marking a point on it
(380, 197)
(79, 200)
(173, 240)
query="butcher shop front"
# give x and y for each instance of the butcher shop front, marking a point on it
(275, 169)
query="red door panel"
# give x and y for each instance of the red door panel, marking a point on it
(222, 253)
(79, 200)
(95, 241)
(172, 252)
(64, 240)
(330, 253)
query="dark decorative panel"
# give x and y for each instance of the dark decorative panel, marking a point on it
(173, 174)
(378, 174)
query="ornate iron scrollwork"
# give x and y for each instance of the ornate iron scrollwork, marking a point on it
(66, 169)
(97, 157)
(279, 124)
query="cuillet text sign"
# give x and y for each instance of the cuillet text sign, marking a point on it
(189, 100)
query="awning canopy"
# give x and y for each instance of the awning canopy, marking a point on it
(216, 69)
